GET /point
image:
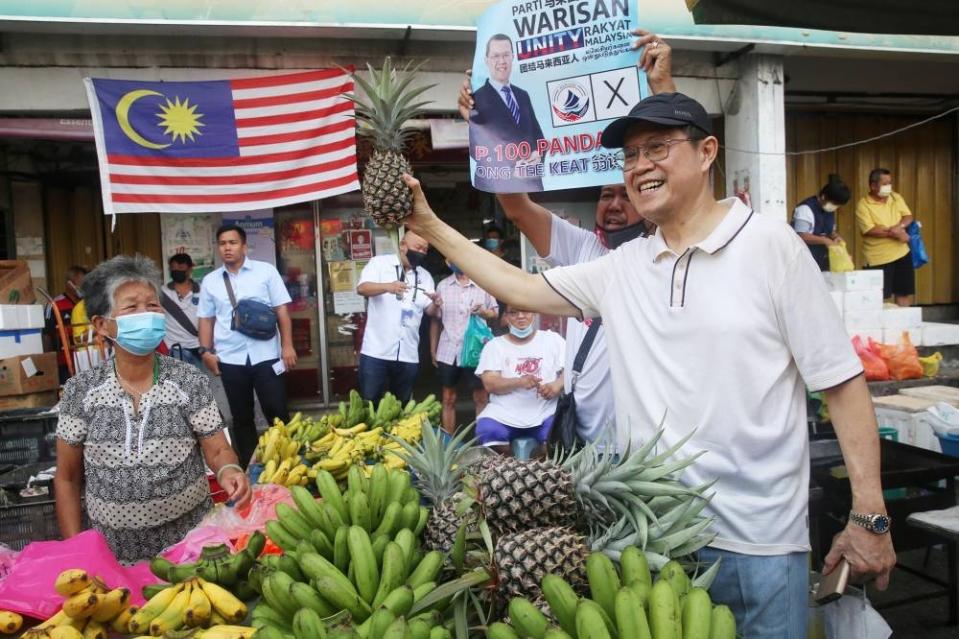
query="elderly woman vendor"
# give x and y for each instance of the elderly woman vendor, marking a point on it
(135, 431)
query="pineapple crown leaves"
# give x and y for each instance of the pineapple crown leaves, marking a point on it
(437, 466)
(389, 102)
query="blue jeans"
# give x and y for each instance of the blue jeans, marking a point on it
(769, 596)
(380, 375)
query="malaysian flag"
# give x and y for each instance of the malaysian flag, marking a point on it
(224, 145)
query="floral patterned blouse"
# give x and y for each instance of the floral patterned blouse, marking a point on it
(145, 477)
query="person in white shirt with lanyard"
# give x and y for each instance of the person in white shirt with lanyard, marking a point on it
(563, 244)
(398, 291)
(246, 363)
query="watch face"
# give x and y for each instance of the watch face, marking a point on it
(880, 523)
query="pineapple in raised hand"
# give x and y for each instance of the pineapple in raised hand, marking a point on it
(389, 102)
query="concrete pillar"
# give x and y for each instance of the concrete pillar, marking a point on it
(756, 121)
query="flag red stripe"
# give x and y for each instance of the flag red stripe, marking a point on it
(292, 98)
(233, 197)
(282, 156)
(293, 136)
(252, 178)
(289, 78)
(286, 118)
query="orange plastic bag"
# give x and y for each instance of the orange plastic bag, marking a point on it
(902, 359)
(875, 367)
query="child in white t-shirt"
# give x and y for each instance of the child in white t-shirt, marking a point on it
(523, 373)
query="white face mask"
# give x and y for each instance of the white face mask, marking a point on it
(830, 207)
(885, 190)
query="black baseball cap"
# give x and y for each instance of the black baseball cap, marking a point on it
(667, 109)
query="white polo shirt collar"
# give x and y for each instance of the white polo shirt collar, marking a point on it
(725, 232)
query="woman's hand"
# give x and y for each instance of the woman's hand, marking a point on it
(237, 486)
(551, 390)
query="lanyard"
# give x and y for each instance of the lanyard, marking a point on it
(401, 276)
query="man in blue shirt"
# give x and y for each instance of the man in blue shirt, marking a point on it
(246, 364)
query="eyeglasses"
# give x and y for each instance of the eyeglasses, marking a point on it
(501, 57)
(654, 152)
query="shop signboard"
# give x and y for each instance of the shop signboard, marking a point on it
(547, 79)
(670, 18)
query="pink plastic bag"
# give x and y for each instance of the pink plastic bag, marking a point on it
(223, 524)
(8, 557)
(28, 588)
(188, 550)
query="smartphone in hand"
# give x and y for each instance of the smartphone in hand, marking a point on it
(832, 585)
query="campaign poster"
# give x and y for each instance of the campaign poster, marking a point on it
(548, 76)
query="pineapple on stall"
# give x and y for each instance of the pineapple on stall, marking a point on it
(389, 102)
(546, 516)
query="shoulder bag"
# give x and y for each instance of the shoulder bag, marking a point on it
(251, 318)
(565, 431)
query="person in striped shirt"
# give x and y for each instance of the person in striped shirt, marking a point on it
(460, 298)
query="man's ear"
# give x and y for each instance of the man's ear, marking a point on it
(708, 151)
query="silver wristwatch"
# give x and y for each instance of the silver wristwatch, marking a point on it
(873, 522)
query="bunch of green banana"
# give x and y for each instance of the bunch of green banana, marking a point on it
(387, 411)
(626, 604)
(383, 505)
(356, 412)
(194, 603)
(430, 406)
(215, 565)
(383, 624)
(359, 583)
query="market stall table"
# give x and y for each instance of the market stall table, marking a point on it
(913, 480)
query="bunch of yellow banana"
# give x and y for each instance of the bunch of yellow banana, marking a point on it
(342, 448)
(194, 603)
(10, 622)
(91, 609)
(277, 444)
(410, 429)
(289, 472)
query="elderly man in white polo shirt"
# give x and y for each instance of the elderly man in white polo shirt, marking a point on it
(399, 290)
(717, 321)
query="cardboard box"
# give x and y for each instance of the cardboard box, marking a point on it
(20, 342)
(936, 334)
(16, 285)
(20, 316)
(868, 300)
(854, 280)
(28, 374)
(33, 400)
(901, 317)
(863, 319)
(894, 335)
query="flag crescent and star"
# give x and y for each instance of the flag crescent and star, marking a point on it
(213, 145)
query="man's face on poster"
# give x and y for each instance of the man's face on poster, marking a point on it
(499, 60)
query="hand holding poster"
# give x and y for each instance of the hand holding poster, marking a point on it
(548, 75)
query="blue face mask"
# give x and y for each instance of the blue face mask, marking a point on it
(140, 333)
(521, 333)
(492, 243)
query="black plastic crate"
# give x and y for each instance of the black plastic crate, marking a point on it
(28, 520)
(27, 437)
